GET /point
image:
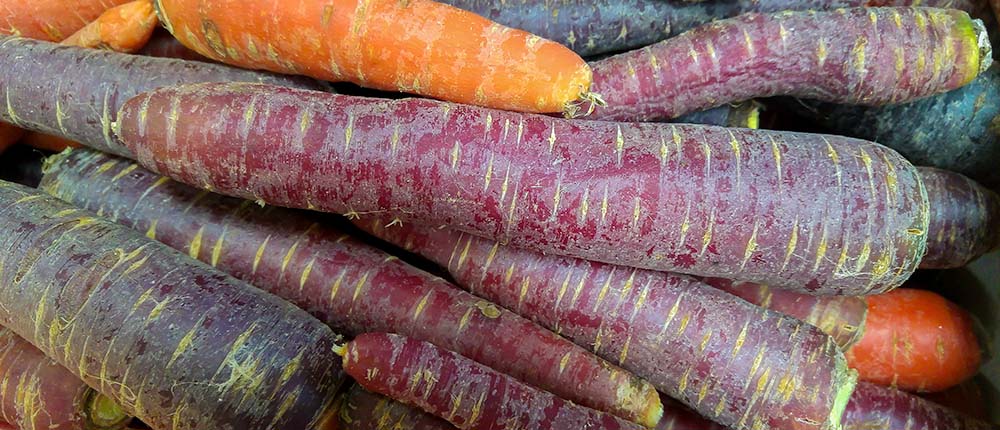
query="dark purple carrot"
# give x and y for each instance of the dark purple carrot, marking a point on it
(824, 214)
(742, 115)
(869, 56)
(881, 408)
(964, 118)
(463, 392)
(38, 393)
(174, 342)
(85, 87)
(364, 410)
(964, 219)
(738, 364)
(841, 317)
(592, 27)
(351, 286)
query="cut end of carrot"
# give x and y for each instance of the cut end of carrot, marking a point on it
(846, 379)
(654, 410)
(973, 31)
(340, 350)
(104, 413)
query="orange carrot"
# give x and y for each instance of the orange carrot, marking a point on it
(125, 28)
(915, 340)
(51, 20)
(48, 142)
(415, 46)
(9, 135)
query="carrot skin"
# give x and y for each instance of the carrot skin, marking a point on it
(964, 118)
(642, 319)
(124, 28)
(592, 27)
(363, 410)
(916, 340)
(467, 394)
(351, 286)
(838, 56)
(875, 407)
(841, 317)
(48, 142)
(93, 85)
(417, 46)
(50, 20)
(964, 219)
(164, 44)
(596, 190)
(173, 341)
(9, 135)
(36, 392)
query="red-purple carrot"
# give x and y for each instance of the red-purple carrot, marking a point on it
(964, 219)
(38, 393)
(841, 317)
(875, 407)
(173, 341)
(363, 410)
(869, 56)
(463, 392)
(824, 214)
(735, 363)
(351, 286)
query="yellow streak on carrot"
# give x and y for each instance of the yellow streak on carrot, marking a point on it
(556, 199)
(859, 55)
(765, 377)
(624, 353)
(349, 131)
(217, 248)
(465, 319)
(185, 342)
(921, 63)
(740, 339)
(720, 406)
(707, 152)
(12, 116)
(838, 268)
(465, 253)
(822, 247)
(509, 273)
(456, 402)
(604, 290)
(336, 284)
(832, 153)
(60, 115)
(703, 391)
(636, 211)
(289, 370)
(664, 151)
(489, 173)
(38, 317)
(105, 167)
(685, 224)
(260, 253)
(704, 341)
(710, 48)
(305, 273)
(670, 316)
(755, 364)
(562, 289)
(619, 144)
(684, 324)
(159, 308)
(776, 152)
(552, 138)
(900, 62)
(630, 69)
(707, 237)
(867, 161)
(735, 145)
(584, 205)
(503, 185)
(476, 410)
(128, 169)
(821, 52)
(286, 405)
(653, 62)
(604, 205)
(510, 213)
(749, 43)
(683, 383)
(693, 53)
(456, 154)
(579, 287)
(520, 130)
(421, 305)
(359, 286)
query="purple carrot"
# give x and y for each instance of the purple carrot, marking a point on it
(883, 408)
(842, 216)
(868, 56)
(964, 219)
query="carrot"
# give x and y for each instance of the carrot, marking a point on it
(351, 286)
(465, 393)
(417, 46)
(727, 370)
(743, 115)
(841, 317)
(163, 44)
(915, 340)
(92, 86)
(174, 342)
(125, 28)
(9, 135)
(592, 27)
(964, 219)
(875, 407)
(694, 199)
(364, 410)
(51, 20)
(966, 398)
(678, 417)
(869, 56)
(48, 142)
(37, 393)
(964, 118)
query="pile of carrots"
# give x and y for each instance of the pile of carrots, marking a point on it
(477, 214)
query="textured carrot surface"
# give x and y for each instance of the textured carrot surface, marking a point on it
(825, 214)
(38, 393)
(964, 219)
(916, 340)
(90, 85)
(344, 282)
(416, 46)
(465, 393)
(51, 20)
(363, 410)
(124, 28)
(868, 56)
(841, 317)
(173, 341)
(738, 364)
(875, 407)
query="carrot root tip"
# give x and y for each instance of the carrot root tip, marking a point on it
(592, 100)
